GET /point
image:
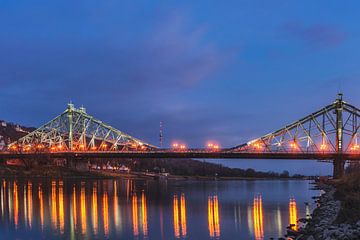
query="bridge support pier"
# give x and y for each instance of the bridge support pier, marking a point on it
(339, 167)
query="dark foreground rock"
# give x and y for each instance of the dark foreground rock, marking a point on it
(322, 225)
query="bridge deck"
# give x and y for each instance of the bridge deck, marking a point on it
(182, 154)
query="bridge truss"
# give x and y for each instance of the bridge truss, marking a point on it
(332, 129)
(330, 134)
(75, 130)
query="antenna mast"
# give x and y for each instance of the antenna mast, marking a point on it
(161, 136)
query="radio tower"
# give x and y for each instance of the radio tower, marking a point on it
(161, 136)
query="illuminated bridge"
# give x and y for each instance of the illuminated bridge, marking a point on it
(329, 134)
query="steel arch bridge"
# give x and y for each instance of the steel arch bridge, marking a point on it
(329, 134)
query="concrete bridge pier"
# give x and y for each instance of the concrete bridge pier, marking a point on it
(338, 167)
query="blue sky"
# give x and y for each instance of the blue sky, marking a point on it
(209, 70)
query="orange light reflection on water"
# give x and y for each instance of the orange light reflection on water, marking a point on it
(135, 216)
(29, 204)
(83, 209)
(213, 217)
(293, 214)
(116, 208)
(53, 205)
(258, 218)
(144, 215)
(95, 209)
(183, 215)
(180, 228)
(16, 205)
(176, 217)
(61, 206)
(106, 213)
(41, 205)
(74, 208)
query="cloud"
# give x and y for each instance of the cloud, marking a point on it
(170, 54)
(317, 35)
(126, 76)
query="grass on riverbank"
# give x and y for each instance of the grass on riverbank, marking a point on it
(348, 192)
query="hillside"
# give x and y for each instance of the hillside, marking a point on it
(10, 132)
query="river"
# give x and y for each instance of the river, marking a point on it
(140, 209)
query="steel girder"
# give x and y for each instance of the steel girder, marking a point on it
(74, 130)
(332, 129)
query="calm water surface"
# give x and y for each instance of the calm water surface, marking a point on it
(128, 209)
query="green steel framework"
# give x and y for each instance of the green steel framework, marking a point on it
(74, 129)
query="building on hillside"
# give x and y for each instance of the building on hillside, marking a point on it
(2, 143)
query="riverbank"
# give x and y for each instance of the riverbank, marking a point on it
(336, 216)
(63, 172)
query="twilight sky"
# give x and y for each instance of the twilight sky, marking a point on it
(228, 72)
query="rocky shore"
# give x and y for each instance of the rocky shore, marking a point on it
(323, 224)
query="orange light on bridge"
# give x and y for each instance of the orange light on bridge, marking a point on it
(81, 146)
(258, 146)
(213, 146)
(294, 145)
(60, 147)
(355, 147)
(13, 147)
(27, 148)
(40, 146)
(323, 147)
(178, 146)
(103, 146)
(93, 148)
(53, 148)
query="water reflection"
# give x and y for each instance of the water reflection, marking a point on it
(139, 215)
(74, 210)
(61, 206)
(279, 221)
(117, 218)
(135, 217)
(63, 209)
(144, 215)
(41, 207)
(16, 205)
(179, 216)
(106, 213)
(53, 205)
(213, 217)
(293, 214)
(83, 208)
(29, 204)
(2, 195)
(258, 218)
(95, 210)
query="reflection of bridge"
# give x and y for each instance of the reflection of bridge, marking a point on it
(329, 134)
